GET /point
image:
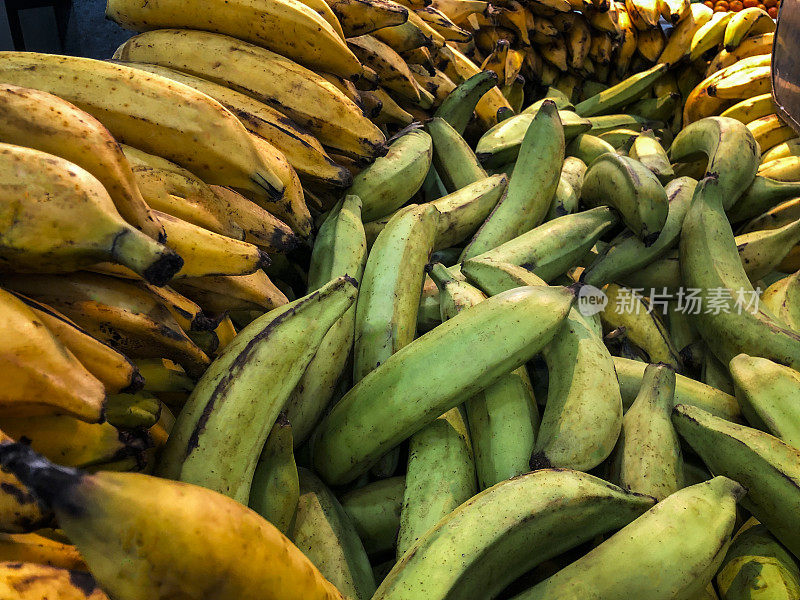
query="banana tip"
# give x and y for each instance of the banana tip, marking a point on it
(137, 383)
(351, 280)
(264, 260)
(540, 461)
(161, 271)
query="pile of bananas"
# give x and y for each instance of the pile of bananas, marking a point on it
(526, 328)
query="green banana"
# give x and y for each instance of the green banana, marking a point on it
(766, 466)
(715, 374)
(631, 188)
(623, 93)
(440, 476)
(131, 410)
(709, 261)
(375, 512)
(386, 313)
(649, 151)
(565, 201)
(757, 566)
(693, 527)
(664, 272)
(428, 377)
(732, 151)
(588, 148)
(501, 144)
(458, 107)
(627, 253)
(687, 391)
(392, 180)
(327, 536)
(573, 171)
(531, 192)
(769, 395)
(762, 195)
(604, 123)
(656, 109)
(339, 249)
(275, 488)
(505, 531)
(647, 459)
(762, 251)
(245, 389)
(551, 249)
(503, 418)
(620, 138)
(453, 159)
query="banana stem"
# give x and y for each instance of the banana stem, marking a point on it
(156, 263)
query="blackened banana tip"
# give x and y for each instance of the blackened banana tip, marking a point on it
(351, 280)
(164, 269)
(540, 461)
(137, 383)
(264, 260)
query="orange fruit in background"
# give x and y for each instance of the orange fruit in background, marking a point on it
(773, 12)
(762, 7)
(770, 3)
(721, 5)
(736, 6)
(750, 3)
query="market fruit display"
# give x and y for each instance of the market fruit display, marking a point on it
(364, 299)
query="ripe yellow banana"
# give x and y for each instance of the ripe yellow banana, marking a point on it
(781, 169)
(628, 42)
(745, 23)
(651, 43)
(752, 46)
(787, 149)
(451, 32)
(674, 10)
(679, 43)
(35, 548)
(388, 64)
(745, 83)
(359, 17)
(31, 581)
(307, 98)
(644, 13)
(709, 35)
(751, 109)
(218, 295)
(770, 131)
(289, 28)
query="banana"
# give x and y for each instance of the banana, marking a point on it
(392, 70)
(275, 490)
(578, 40)
(756, 563)
(644, 13)
(531, 192)
(291, 29)
(404, 38)
(679, 43)
(305, 97)
(761, 462)
(466, 549)
(761, 252)
(393, 179)
(782, 214)
(785, 149)
(767, 393)
(322, 9)
(117, 312)
(438, 84)
(694, 526)
(709, 35)
(199, 448)
(751, 109)
(31, 581)
(339, 249)
(221, 294)
(769, 131)
(440, 476)
(650, 43)
(302, 150)
(648, 151)
(78, 138)
(761, 196)
(687, 391)
(98, 512)
(748, 22)
(647, 459)
(623, 93)
(674, 11)
(731, 149)
(451, 32)
(743, 84)
(632, 189)
(375, 512)
(133, 410)
(391, 112)
(326, 535)
(459, 10)
(588, 148)
(503, 418)
(555, 52)
(658, 109)
(434, 393)
(752, 46)
(626, 253)
(455, 162)
(41, 550)
(73, 443)
(359, 17)
(162, 375)
(458, 107)
(605, 123)
(555, 247)
(710, 260)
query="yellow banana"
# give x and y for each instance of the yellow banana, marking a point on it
(359, 17)
(438, 84)
(35, 548)
(752, 46)
(644, 13)
(628, 43)
(244, 292)
(674, 10)
(578, 40)
(745, 83)
(751, 109)
(31, 581)
(404, 38)
(651, 43)
(781, 169)
(391, 111)
(451, 32)
(555, 53)
(750, 21)
(388, 64)
(770, 131)
(785, 149)
(679, 43)
(709, 35)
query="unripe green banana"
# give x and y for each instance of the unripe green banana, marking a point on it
(656, 109)
(681, 331)
(757, 566)
(392, 180)
(627, 253)
(649, 151)
(664, 272)
(375, 512)
(503, 418)
(339, 249)
(687, 391)
(531, 192)
(554, 94)
(245, 389)
(275, 488)
(769, 395)
(732, 151)
(454, 160)
(588, 148)
(327, 536)
(631, 188)
(766, 466)
(762, 251)
(433, 374)
(501, 144)
(623, 93)
(440, 476)
(647, 459)
(386, 313)
(620, 138)
(574, 170)
(556, 246)
(710, 263)
(458, 107)
(763, 194)
(714, 373)
(693, 527)
(505, 531)
(565, 201)
(604, 123)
